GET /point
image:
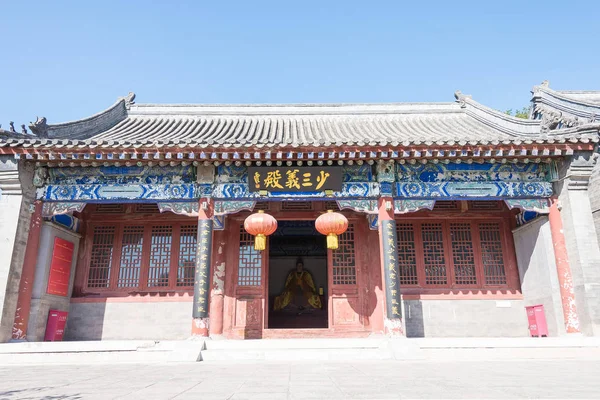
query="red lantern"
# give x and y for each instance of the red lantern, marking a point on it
(332, 224)
(260, 225)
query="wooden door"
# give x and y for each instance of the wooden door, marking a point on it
(345, 305)
(248, 288)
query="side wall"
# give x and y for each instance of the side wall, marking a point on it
(15, 201)
(537, 270)
(460, 318)
(156, 320)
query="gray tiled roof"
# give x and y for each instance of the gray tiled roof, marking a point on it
(127, 124)
(579, 104)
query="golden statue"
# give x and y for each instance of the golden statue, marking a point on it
(299, 291)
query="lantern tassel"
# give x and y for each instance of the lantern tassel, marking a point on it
(332, 241)
(260, 242)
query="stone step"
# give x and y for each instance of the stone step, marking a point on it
(373, 348)
(98, 352)
(278, 344)
(315, 354)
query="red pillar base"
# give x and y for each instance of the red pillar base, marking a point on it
(393, 327)
(200, 327)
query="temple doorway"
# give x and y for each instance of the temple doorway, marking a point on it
(297, 277)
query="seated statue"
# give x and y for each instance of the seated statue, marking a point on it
(299, 293)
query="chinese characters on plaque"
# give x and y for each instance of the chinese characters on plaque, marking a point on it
(390, 258)
(201, 281)
(294, 179)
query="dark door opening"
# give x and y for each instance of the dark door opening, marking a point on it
(297, 277)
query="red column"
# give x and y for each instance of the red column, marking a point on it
(27, 274)
(567, 293)
(217, 292)
(200, 321)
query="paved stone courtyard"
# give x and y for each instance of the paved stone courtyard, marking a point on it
(552, 379)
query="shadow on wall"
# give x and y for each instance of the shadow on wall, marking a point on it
(413, 317)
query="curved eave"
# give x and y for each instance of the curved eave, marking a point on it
(564, 103)
(90, 126)
(517, 127)
(585, 134)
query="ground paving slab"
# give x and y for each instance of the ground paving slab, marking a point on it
(553, 377)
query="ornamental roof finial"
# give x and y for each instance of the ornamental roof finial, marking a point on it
(461, 98)
(39, 127)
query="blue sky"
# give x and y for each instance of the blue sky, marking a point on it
(68, 60)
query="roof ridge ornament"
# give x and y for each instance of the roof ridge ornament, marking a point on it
(462, 98)
(537, 88)
(129, 100)
(39, 127)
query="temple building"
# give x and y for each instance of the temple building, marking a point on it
(152, 221)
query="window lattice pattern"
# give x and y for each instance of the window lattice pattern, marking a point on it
(160, 256)
(463, 254)
(146, 208)
(250, 261)
(187, 255)
(344, 261)
(491, 254)
(433, 257)
(331, 205)
(445, 205)
(407, 256)
(131, 256)
(109, 208)
(296, 206)
(485, 205)
(262, 205)
(101, 257)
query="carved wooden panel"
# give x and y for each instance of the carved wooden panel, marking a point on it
(131, 256)
(101, 257)
(250, 261)
(463, 254)
(491, 253)
(248, 312)
(159, 265)
(187, 255)
(407, 255)
(434, 257)
(343, 311)
(344, 259)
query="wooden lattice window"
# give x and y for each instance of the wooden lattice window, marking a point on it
(463, 255)
(438, 254)
(101, 257)
(296, 206)
(250, 261)
(131, 256)
(187, 255)
(491, 253)
(434, 257)
(407, 254)
(344, 260)
(135, 257)
(160, 256)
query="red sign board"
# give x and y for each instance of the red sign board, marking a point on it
(60, 267)
(55, 327)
